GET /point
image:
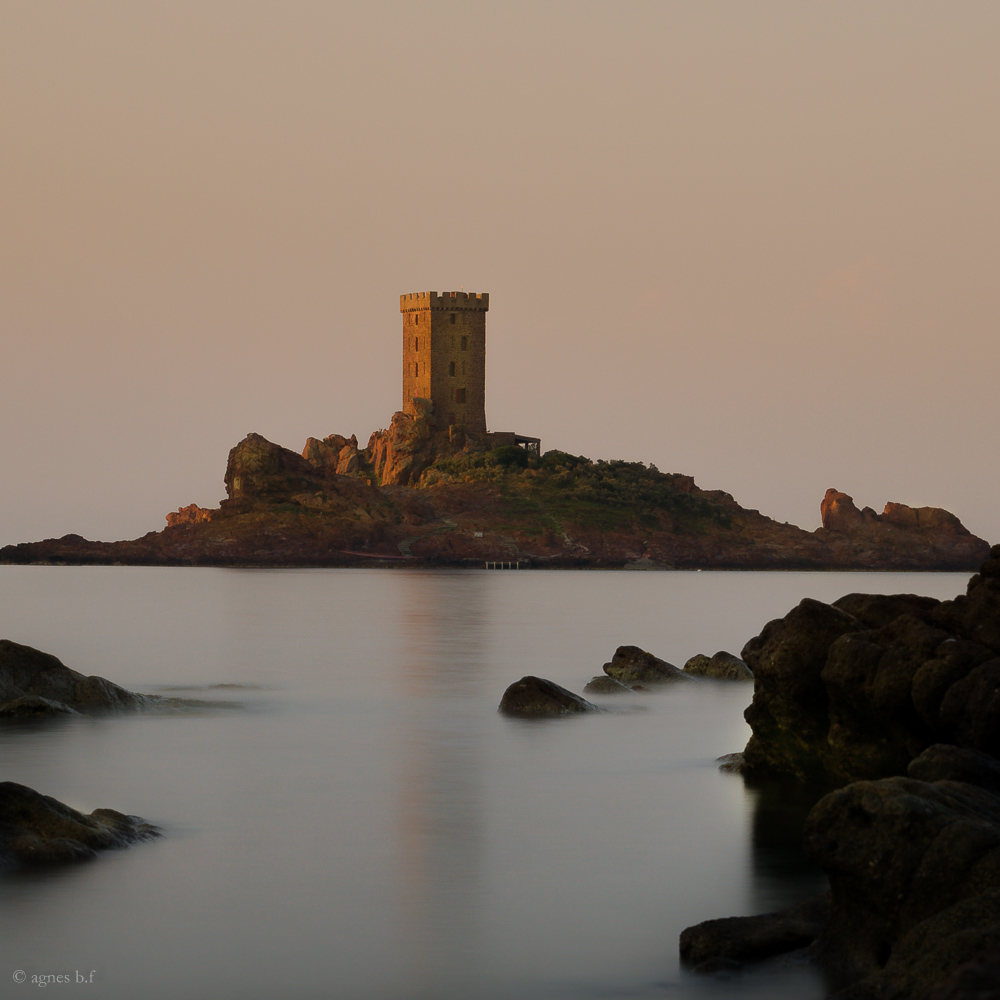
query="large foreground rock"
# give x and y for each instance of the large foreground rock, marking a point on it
(535, 697)
(857, 689)
(37, 829)
(914, 872)
(914, 905)
(632, 665)
(34, 683)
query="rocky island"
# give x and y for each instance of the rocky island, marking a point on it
(428, 495)
(437, 488)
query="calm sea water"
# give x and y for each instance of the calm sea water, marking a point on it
(354, 820)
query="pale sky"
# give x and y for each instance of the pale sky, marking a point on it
(756, 243)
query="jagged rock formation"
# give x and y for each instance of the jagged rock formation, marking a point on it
(191, 514)
(37, 829)
(419, 493)
(859, 688)
(896, 528)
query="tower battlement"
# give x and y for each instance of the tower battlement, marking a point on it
(414, 301)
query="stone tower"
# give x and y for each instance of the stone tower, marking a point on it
(444, 356)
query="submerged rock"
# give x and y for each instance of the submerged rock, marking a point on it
(535, 697)
(631, 665)
(602, 684)
(722, 666)
(38, 829)
(31, 706)
(33, 683)
(731, 763)
(732, 941)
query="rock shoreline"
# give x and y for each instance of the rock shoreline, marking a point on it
(894, 703)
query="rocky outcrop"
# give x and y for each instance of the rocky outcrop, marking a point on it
(335, 455)
(36, 829)
(259, 470)
(632, 665)
(859, 688)
(901, 530)
(537, 698)
(33, 683)
(409, 445)
(191, 514)
(722, 666)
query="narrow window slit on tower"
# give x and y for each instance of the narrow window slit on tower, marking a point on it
(452, 319)
(416, 368)
(465, 343)
(451, 369)
(459, 395)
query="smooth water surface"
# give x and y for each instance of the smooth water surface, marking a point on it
(355, 820)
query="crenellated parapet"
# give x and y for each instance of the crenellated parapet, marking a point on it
(451, 301)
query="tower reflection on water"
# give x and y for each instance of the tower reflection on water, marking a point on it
(442, 669)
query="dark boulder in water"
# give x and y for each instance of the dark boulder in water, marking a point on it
(37, 829)
(632, 665)
(33, 684)
(535, 697)
(714, 945)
